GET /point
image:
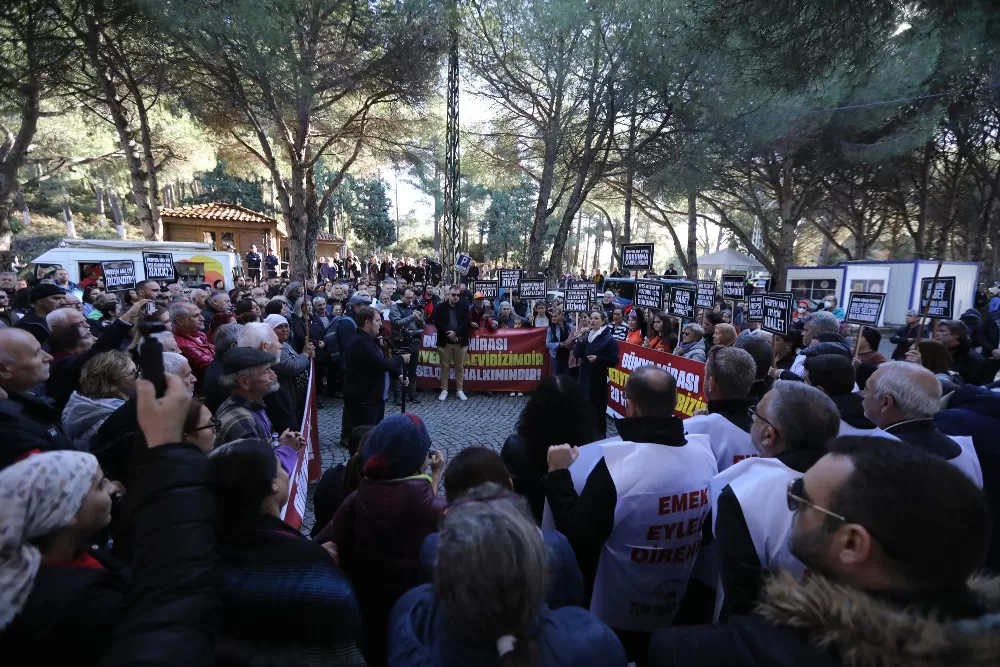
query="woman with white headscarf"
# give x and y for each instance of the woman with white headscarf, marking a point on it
(54, 589)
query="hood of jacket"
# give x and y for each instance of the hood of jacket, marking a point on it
(828, 348)
(852, 411)
(976, 399)
(82, 416)
(863, 629)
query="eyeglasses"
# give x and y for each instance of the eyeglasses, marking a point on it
(797, 497)
(754, 414)
(214, 423)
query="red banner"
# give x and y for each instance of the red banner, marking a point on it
(689, 374)
(308, 464)
(505, 360)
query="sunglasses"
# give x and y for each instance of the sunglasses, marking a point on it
(212, 424)
(797, 498)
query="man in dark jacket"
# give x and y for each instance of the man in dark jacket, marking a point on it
(225, 338)
(44, 298)
(834, 375)
(451, 319)
(407, 320)
(218, 303)
(862, 517)
(365, 379)
(763, 357)
(906, 335)
(590, 517)
(27, 422)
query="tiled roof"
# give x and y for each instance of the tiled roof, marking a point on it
(327, 236)
(218, 211)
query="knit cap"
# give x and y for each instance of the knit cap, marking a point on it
(396, 447)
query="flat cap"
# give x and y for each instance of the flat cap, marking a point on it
(242, 358)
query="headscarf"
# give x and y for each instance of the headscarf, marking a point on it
(725, 334)
(37, 496)
(274, 320)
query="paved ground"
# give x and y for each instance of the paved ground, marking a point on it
(484, 420)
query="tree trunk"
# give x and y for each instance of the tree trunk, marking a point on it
(691, 260)
(576, 250)
(147, 154)
(25, 213)
(68, 218)
(538, 224)
(116, 213)
(13, 151)
(102, 219)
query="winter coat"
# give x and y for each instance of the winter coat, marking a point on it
(526, 472)
(971, 365)
(696, 353)
(28, 422)
(594, 374)
(975, 412)
(565, 583)
(364, 373)
(820, 623)
(283, 406)
(901, 339)
(441, 323)
(64, 373)
(852, 412)
(284, 600)
(566, 637)
(199, 353)
(82, 417)
(35, 325)
(379, 531)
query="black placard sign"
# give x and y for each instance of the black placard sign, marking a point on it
(159, 266)
(119, 275)
(706, 294)
(777, 310)
(864, 308)
(531, 289)
(734, 286)
(940, 294)
(755, 308)
(682, 302)
(578, 300)
(637, 256)
(648, 294)
(509, 278)
(586, 284)
(489, 288)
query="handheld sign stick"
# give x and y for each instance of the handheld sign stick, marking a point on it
(923, 318)
(857, 343)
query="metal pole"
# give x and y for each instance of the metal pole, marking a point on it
(452, 178)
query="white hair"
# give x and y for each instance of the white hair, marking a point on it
(914, 389)
(59, 317)
(696, 328)
(166, 339)
(257, 335)
(179, 309)
(173, 362)
(824, 322)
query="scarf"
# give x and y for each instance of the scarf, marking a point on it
(592, 336)
(686, 347)
(38, 495)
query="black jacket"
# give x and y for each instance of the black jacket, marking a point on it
(901, 339)
(593, 374)
(441, 318)
(851, 411)
(972, 366)
(587, 519)
(740, 569)
(172, 611)
(28, 422)
(64, 373)
(366, 367)
(283, 406)
(526, 472)
(35, 325)
(298, 329)
(215, 393)
(923, 434)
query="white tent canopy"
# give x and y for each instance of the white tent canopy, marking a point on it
(728, 259)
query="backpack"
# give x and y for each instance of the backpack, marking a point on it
(333, 343)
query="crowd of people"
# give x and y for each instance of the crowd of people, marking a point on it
(828, 506)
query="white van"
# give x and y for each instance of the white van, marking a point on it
(193, 262)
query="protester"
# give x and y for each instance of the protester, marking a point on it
(725, 335)
(189, 330)
(902, 398)
(200, 427)
(934, 356)
(539, 315)
(635, 334)
(106, 381)
(662, 337)
(968, 363)
(225, 339)
(726, 421)
(834, 375)
(487, 603)
(477, 474)
(692, 344)
(559, 341)
(557, 413)
(759, 348)
(877, 594)
(618, 328)
(906, 335)
(407, 320)
(380, 528)
(286, 406)
(267, 614)
(830, 306)
(868, 344)
(606, 503)
(44, 298)
(452, 324)
(367, 371)
(507, 319)
(597, 351)
(821, 335)
(751, 519)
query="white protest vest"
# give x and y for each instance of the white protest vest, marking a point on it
(968, 460)
(761, 486)
(847, 429)
(729, 443)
